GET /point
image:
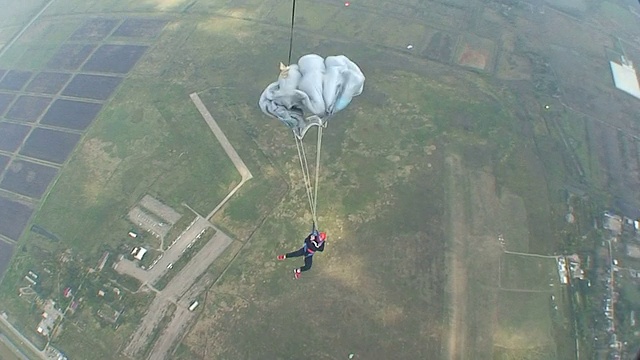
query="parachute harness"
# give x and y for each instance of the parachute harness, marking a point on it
(311, 188)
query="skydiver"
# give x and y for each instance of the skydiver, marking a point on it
(312, 243)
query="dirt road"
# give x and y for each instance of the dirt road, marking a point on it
(458, 271)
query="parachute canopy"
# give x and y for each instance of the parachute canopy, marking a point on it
(314, 87)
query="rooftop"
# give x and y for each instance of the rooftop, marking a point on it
(625, 78)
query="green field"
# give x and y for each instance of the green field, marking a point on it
(394, 207)
(528, 273)
(524, 327)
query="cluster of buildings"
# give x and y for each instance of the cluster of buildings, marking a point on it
(624, 237)
(49, 317)
(569, 267)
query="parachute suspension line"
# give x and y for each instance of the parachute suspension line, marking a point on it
(293, 19)
(315, 190)
(309, 185)
(305, 171)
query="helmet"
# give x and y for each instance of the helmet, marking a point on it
(323, 236)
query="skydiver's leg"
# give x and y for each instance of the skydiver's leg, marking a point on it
(308, 261)
(296, 253)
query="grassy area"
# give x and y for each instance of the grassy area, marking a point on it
(524, 326)
(527, 272)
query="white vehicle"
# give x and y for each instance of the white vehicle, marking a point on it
(194, 305)
(170, 266)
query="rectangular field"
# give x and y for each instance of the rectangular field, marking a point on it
(70, 56)
(94, 30)
(140, 28)
(71, 114)
(14, 216)
(5, 100)
(519, 272)
(15, 80)
(4, 161)
(28, 108)
(50, 145)
(96, 87)
(27, 178)
(114, 58)
(524, 326)
(6, 251)
(12, 135)
(48, 82)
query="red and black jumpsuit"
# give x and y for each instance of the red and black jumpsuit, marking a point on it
(309, 248)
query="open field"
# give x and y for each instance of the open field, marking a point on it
(518, 272)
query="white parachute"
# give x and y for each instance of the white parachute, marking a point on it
(309, 92)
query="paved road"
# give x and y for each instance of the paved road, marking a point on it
(172, 293)
(172, 333)
(198, 265)
(152, 318)
(23, 340)
(170, 256)
(228, 148)
(12, 347)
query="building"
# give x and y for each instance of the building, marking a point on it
(625, 77)
(562, 270)
(138, 252)
(49, 317)
(103, 260)
(613, 223)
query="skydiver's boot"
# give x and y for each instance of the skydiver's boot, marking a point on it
(282, 257)
(297, 273)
